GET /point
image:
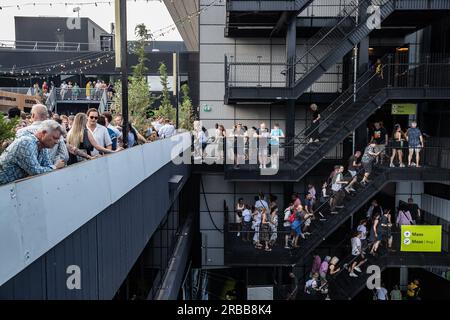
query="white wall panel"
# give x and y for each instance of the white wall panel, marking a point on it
(212, 72)
(46, 209)
(212, 91)
(215, 53)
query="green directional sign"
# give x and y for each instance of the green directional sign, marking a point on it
(404, 108)
(421, 238)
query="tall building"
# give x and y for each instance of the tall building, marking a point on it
(142, 224)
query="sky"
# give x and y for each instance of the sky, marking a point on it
(152, 13)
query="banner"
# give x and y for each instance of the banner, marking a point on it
(404, 108)
(421, 238)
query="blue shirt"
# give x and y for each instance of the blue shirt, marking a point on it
(275, 136)
(22, 159)
(414, 137)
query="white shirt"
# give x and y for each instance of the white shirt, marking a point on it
(102, 137)
(166, 131)
(247, 215)
(382, 293)
(356, 246)
(157, 125)
(337, 186)
(260, 204)
(363, 230)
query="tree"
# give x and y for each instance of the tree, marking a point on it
(139, 98)
(166, 110)
(186, 113)
(7, 130)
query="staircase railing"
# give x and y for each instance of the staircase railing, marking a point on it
(51, 100)
(394, 72)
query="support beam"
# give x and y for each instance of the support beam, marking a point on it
(361, 136)
(291, 53)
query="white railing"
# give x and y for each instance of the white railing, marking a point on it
(38, 212)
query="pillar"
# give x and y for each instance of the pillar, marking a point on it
(291, 53)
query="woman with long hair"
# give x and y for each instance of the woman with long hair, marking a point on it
(221, 135)
(398, 138)
(80, 137)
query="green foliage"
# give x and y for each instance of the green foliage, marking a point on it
(186, 112)
(166, 110)
(139, 98)
(141, 33)
(7, 129)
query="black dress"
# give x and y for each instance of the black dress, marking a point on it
(84, 145)
(313, 130)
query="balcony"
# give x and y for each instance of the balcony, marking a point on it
(39, 212)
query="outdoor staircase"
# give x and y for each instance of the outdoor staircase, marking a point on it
(401, 81)
(326, 48)
(325, 223)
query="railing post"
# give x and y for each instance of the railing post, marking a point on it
(389, 71)
(226, 74)
(259, 71)
(427, 64)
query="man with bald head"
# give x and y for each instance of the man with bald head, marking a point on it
(39, 113)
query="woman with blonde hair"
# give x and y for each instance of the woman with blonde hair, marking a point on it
(80, 137)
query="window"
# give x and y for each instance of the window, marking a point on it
(93, 33)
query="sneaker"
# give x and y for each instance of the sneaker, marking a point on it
(353, 275)
(303, 236)
(238, 234)
(402, 165)
(357, 269)
(260, 166)
(286, 247)
(392, 165)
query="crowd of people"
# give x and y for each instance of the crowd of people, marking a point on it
(263, 140)
(46, 141)
(373, 232)
(73, 91)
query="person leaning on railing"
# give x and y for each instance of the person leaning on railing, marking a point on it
(81, 138)
(28, 155)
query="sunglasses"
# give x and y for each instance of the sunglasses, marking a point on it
(92, 117)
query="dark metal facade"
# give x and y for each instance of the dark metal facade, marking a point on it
(105, 248)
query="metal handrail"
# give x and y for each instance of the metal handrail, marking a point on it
(365, 82)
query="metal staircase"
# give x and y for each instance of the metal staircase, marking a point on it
(397, 79)
(322, 51)
(267, 5)
(325, 223)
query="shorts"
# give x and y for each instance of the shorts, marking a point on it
(287, 229)
(247, 226)
(367, 166)
(415, 148)
(358, 258)
(296, 226)
(380, 148)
